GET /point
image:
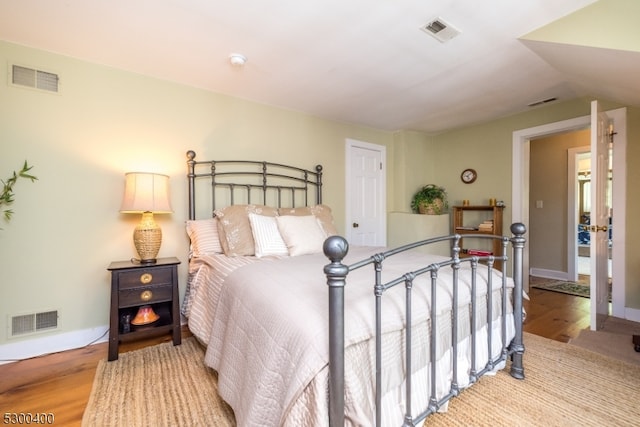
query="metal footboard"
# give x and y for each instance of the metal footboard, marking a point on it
(336, 248)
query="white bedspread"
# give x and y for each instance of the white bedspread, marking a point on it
(266, 335)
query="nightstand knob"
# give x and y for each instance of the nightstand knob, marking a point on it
(146, 295)
(146, 278)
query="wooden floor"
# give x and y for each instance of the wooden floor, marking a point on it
(555, 315)
(61, 383)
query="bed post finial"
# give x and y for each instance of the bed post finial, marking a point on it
(518, 229)
(336, 248)
(517, 346)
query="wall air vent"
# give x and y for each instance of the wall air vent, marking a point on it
(440, 30)
(32, 323)
(35, 79)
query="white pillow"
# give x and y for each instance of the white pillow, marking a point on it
(322, 212)
(203, 234)
(266, 236)
(302, 234)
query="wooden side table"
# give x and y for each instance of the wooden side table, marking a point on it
(134, 285)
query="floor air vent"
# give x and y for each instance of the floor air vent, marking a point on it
(440, 30)
(33, 323)
(35, 79)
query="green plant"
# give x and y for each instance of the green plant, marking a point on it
(430, 199)
(7, 188)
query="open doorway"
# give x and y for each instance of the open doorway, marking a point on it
(554, 200)
(521, 201)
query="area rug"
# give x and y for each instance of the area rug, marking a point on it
(571, 288)
(615, 339)
(580, 288)
(565, 385)
(162, 385)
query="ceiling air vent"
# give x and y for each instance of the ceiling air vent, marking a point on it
(440, 30)
(541, 102)
(35, 79)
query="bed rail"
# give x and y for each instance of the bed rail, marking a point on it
(267, 183)
(336, 248)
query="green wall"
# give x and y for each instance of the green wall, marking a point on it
(610, 24)
(103, 123)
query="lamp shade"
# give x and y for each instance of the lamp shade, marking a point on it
(146, 192)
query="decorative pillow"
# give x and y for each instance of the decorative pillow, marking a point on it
(266, 236)
(302, 234)
(235, 230)
(322, 212)
(203, 234)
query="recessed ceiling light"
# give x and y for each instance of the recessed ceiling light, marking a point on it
(237, 59)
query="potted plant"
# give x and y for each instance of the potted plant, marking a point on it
(431, 200)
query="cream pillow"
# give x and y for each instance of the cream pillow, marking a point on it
(267, 236)
(235, 230)
(302, 234)
(322, 212)
(204, 237)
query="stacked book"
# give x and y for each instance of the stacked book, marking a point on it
(486, 225)
(479, 252)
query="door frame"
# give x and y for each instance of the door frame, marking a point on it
(349, 145)
(520, 195)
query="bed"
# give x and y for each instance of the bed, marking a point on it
(304, 330)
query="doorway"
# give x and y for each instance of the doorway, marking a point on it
(551, 190)
(520, 191)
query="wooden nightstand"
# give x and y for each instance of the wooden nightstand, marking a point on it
(134, 285)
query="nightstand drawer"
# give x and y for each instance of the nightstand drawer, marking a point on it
(145, 295)
(145, 277)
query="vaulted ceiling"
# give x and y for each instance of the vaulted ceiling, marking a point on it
(357, 61)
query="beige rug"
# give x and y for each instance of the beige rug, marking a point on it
(163, 385)
(565, 386)
(613, 340)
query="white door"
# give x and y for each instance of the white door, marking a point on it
(600, 143)
(365, 192)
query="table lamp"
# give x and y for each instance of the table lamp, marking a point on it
(146, 193)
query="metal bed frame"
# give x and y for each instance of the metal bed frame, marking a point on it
(262, 182)
(292, 186)
(336, 248)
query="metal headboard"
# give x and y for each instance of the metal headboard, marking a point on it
(246, 181)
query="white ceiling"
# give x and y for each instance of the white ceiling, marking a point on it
(355, 61)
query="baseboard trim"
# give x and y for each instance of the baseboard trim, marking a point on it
(632, 314)
(26, 349)
(549, 274)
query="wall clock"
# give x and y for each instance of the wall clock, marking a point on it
(468, 176)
